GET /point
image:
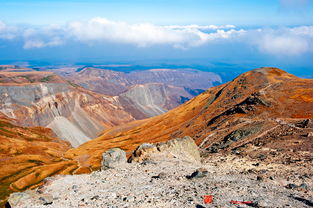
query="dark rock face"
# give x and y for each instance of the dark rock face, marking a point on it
(113, 158)
(234, 136)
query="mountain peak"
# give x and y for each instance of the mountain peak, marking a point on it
(271, 74)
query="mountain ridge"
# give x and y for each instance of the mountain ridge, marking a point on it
(195, 119)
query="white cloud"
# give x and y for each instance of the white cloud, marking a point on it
(142, 35)
(201, 27)
(7, 32)
(284, 45)
(37, 43)
(285, 41)
(279, 42)
(52, 35)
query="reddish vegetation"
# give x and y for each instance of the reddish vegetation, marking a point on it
(28, 155)
(258, 111)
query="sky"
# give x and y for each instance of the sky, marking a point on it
(258, 32)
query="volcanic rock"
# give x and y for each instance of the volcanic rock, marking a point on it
(113, 158)
(184, 148)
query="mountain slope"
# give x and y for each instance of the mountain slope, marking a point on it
(148, 100)
(44, 99)
(28, 152)
(223, 118)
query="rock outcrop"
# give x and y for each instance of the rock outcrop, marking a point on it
(113, 158)
(182, 148)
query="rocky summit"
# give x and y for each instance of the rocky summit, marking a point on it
(173, 176)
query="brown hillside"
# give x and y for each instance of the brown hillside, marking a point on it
(222, 118)
(28, 155)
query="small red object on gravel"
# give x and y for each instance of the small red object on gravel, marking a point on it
(207, 199)
(241, 202)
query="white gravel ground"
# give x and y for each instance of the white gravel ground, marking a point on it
(162, 182)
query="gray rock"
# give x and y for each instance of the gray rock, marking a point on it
(182, 148)
(46, 199)
(143, 152)
(161, 175)
(199, 173)
(17, 198)
(113, 158)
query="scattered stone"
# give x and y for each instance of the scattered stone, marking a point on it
(161, 175)
(229, 179)
(46, 199)
(304, 186)
(262, 157)
(113, 158)
(95, 197)
(291, 186)
(199, 173)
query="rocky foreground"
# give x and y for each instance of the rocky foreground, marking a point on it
(172, 174)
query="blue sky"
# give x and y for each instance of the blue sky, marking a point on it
(239, 12)
(245, 32)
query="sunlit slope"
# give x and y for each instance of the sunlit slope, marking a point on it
(254, 99)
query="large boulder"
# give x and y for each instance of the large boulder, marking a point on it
(113, 158)
(17, 198)
(182, 148)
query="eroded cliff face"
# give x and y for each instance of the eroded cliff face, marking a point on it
(44, 99)
(148, 100)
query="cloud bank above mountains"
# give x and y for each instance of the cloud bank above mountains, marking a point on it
(286, 41)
